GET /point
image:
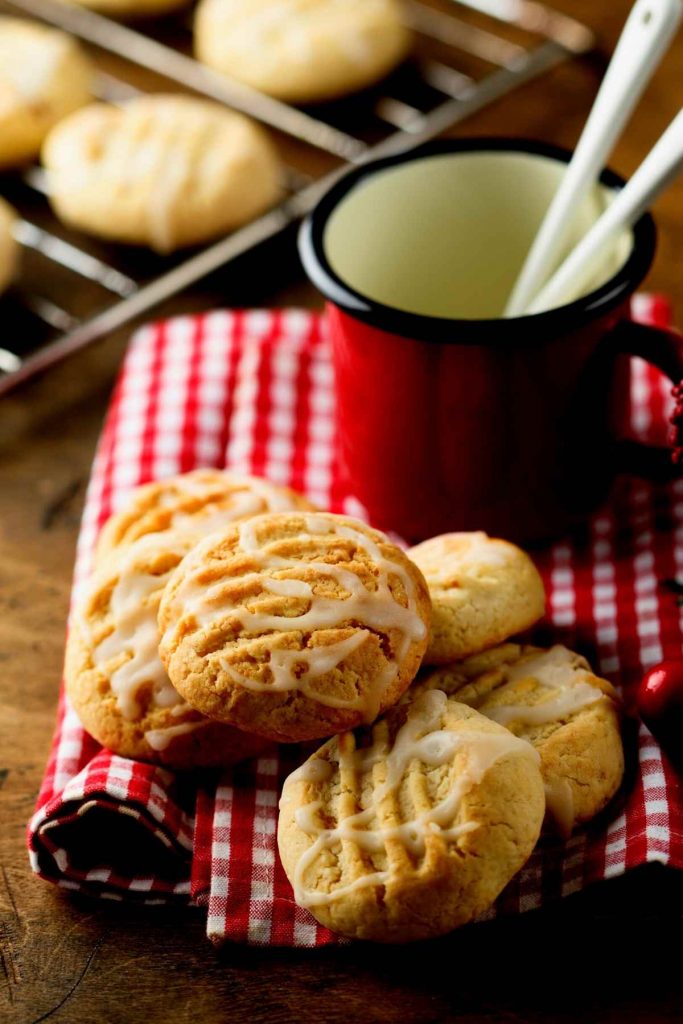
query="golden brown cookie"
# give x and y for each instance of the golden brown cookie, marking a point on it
(165, 171)
(483, 591)
(44, 75)
(294, 625)
(302, 51)
(197, 503)
(415, 829)
(552, 699)
(114, 678)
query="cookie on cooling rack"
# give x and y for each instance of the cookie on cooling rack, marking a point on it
(413, 830)
(44, 75)
(113, 674)
(294, 625)
(162, 171)
(197, 503)
(9, 249)
(552, 699)
(483, 591)
(299, 51)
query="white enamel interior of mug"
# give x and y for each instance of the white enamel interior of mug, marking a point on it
(445, 235)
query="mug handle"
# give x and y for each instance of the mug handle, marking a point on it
(663, 349)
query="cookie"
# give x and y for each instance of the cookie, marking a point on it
(114, 678)
(162, 171)
(302, 51)
(198, 502)
(44, 75)
(483, 591)
(9, 249)
(415, 829)
(130, 9)
(552, 699)
(294, 625)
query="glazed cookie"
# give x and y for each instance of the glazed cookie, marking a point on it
(294, 625)
(197, 503)
(415, 829)
(9, 250)
(552, 699)
(114, 678)
(483, 591)
(302, 51)
(44, 75)
(162, 171)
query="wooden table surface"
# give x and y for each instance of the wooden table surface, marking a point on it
(611, 955)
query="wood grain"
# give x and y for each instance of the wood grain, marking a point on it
(610, 955)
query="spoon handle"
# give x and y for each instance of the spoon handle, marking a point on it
(660, 167)
(644, 39)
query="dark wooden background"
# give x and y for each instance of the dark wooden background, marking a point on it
(611, 955)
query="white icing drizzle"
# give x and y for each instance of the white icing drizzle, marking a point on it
(159, 739)
(559, 801)
(251, 496)
(555, 670)
(213, 516)
(420, 739)
(160, 147)
(313, 770)
(135, 633)
(298, 669)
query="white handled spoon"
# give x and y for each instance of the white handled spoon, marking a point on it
(661, 166)
(648, 31)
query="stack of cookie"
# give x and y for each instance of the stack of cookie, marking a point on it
(225, 613)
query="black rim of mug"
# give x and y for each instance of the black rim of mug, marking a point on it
(532, 328)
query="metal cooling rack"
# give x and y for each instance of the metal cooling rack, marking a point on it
(74, 290)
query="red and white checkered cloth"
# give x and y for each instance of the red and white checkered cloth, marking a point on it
(254, 391)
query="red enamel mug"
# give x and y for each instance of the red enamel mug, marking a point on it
(450, 417)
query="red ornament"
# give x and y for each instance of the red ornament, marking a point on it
(660, 704)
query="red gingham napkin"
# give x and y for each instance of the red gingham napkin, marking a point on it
(254, 391)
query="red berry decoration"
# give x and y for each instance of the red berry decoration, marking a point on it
(660, 705)
(676, 431)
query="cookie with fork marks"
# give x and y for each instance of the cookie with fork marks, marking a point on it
(114, 678)
(294, 625)
(413, 829)
(165, 171)
(196, 503)
(552, 699)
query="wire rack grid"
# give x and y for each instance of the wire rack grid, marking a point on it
(468, 54)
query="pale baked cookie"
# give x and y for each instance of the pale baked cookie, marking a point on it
(113, 674)
(302, 51)
(415, 830)
(483, 591)
(197, 503)
(552, 699)
(163, 171)
(130, 9)
(44, 75)
(294, 625)
(9, 249)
